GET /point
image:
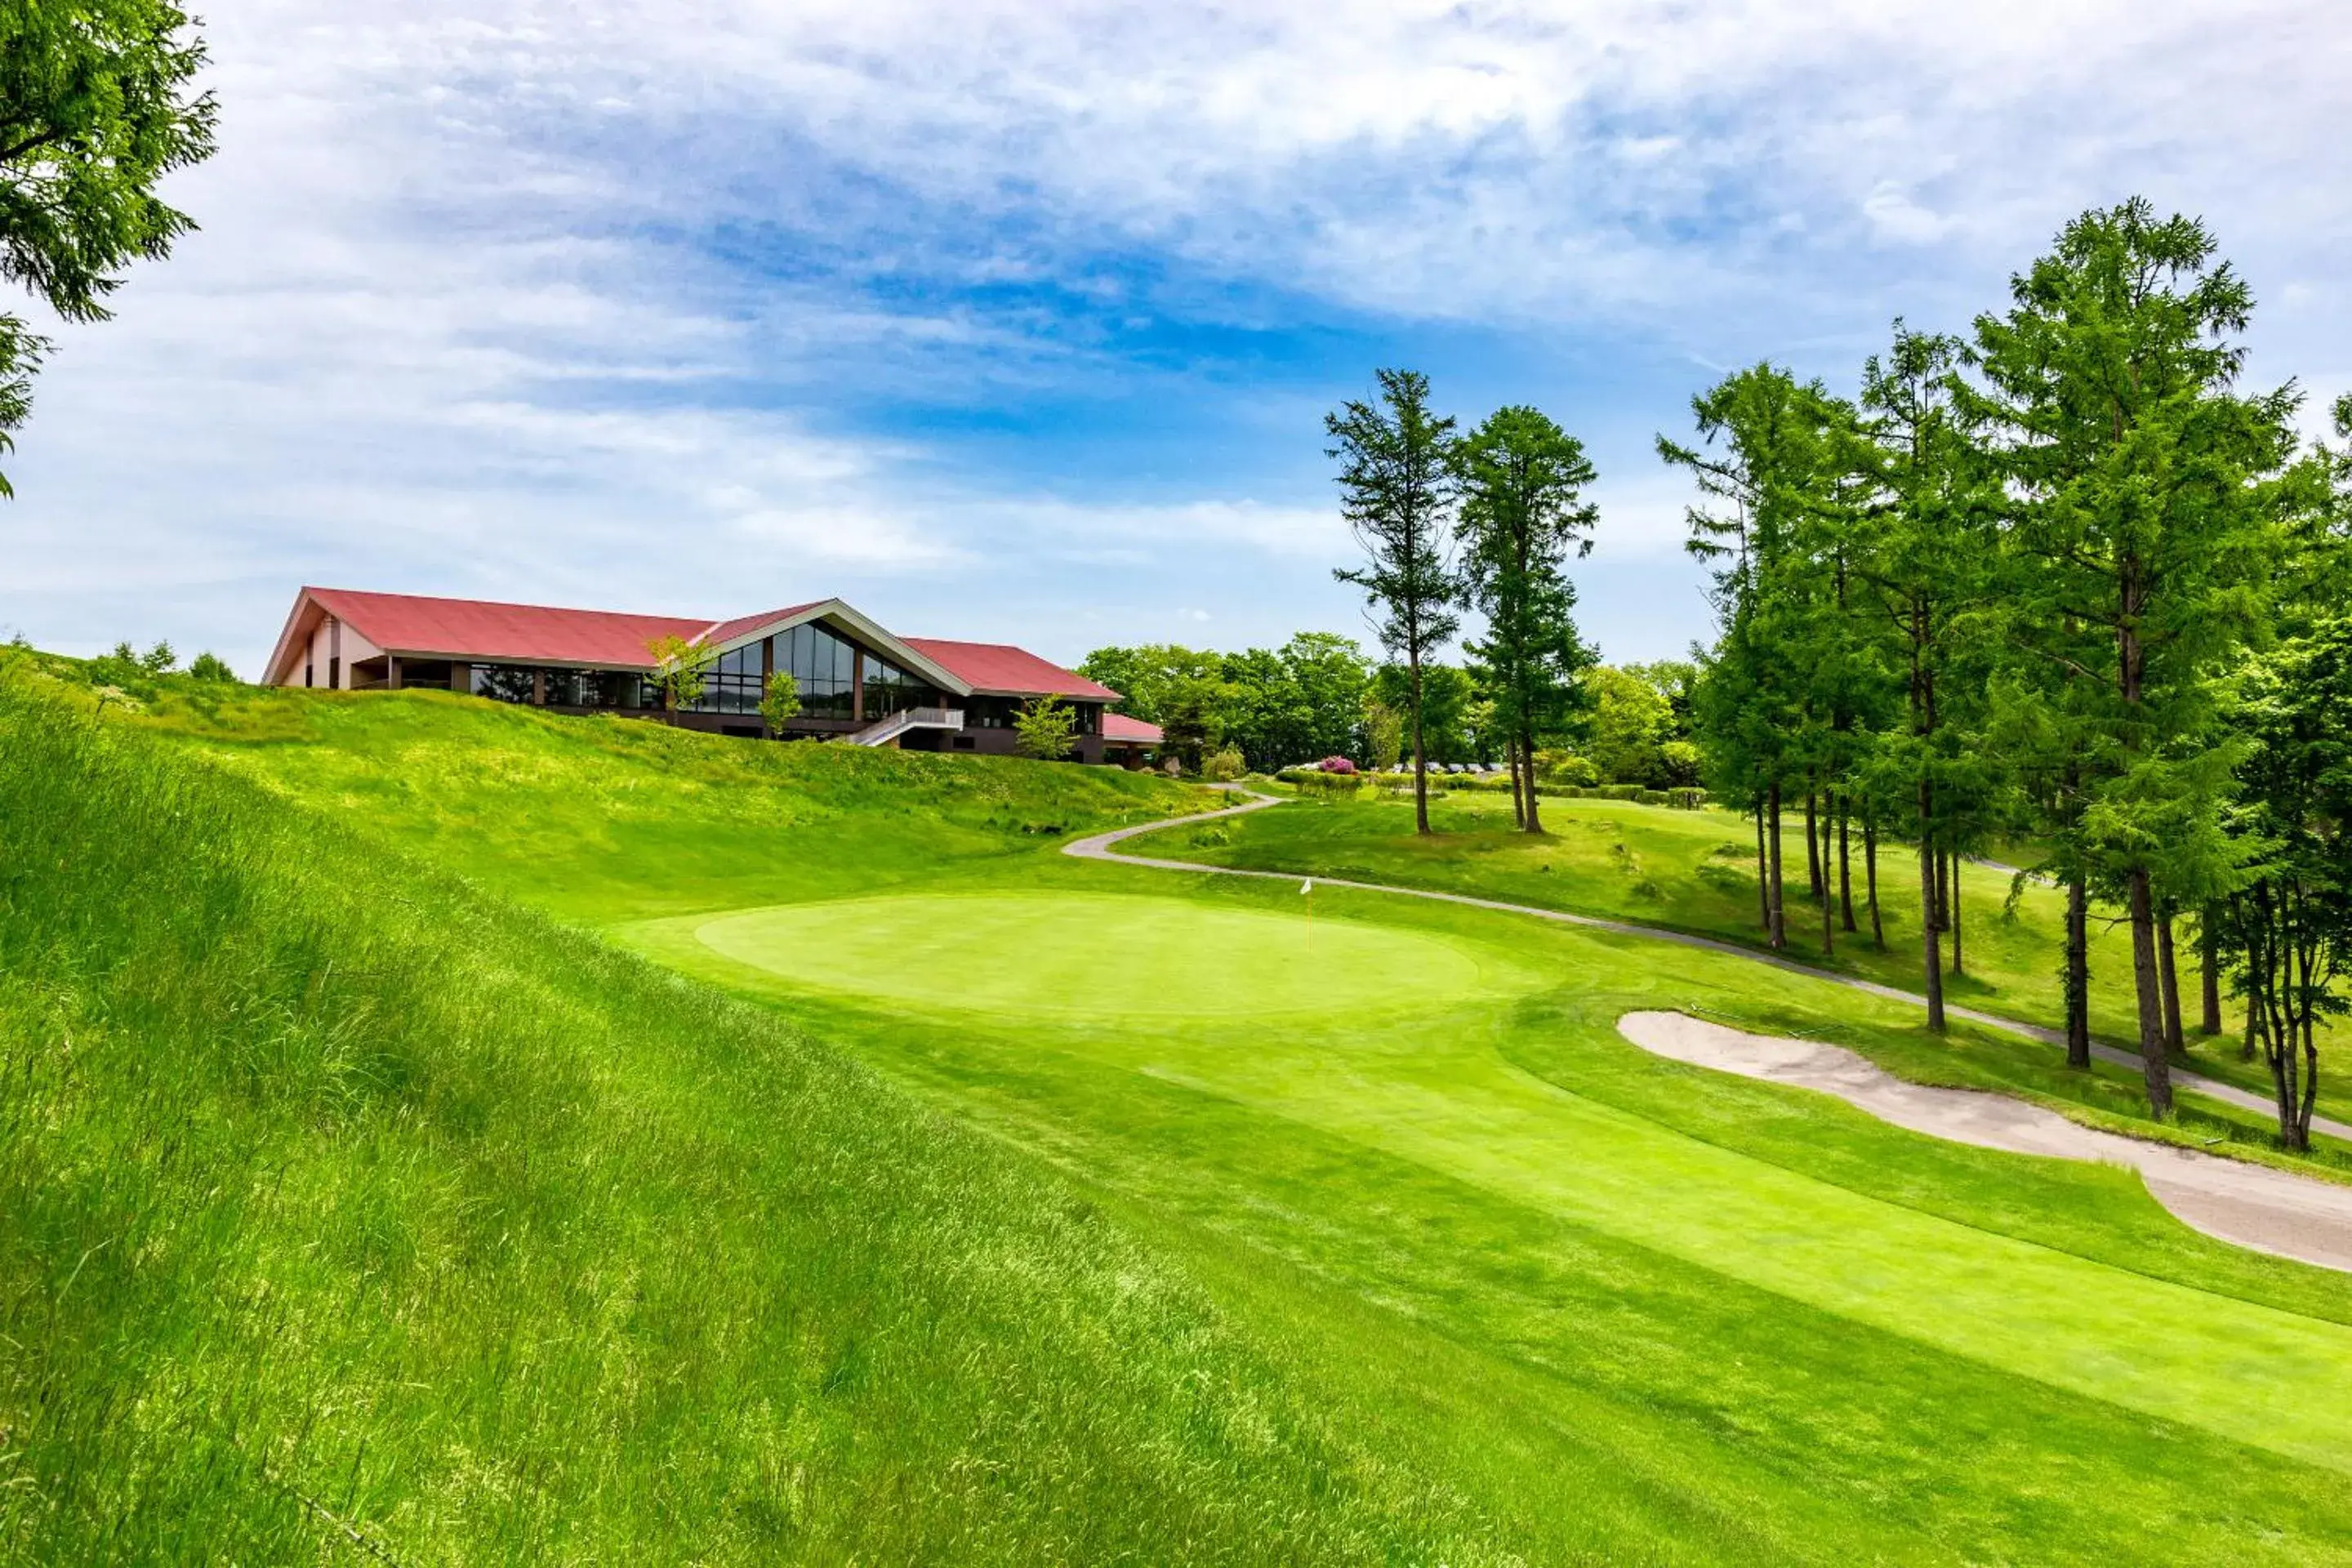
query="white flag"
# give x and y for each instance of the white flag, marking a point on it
(1307, 886)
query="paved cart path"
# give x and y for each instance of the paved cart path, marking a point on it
(1105, 846)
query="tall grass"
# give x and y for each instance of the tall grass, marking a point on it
(347, 1215)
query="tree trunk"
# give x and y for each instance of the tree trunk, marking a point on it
(1528, 770)
(2078, 975)
(1420, 756)
(2154, 1067)
(1952, 908)
(1930, 947)
(1845, 862)
(1773, 921)
(1870, 870)
(1518, 801)
(1828, 922)
(2209, 948)
(1813, 849)
(1763, 875)
(2168, 974)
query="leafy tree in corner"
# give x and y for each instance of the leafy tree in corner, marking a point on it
(1043, 728)
(1392, 483)
(95, 108)
(1521, 481)
(681, 669)
(2149, 525)
(780, 701)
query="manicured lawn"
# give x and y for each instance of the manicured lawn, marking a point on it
(1694, 871)
(1499, 1285)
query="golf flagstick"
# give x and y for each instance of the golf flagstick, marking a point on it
(1306, 890)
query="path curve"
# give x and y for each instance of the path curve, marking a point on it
(2247, 1205)
(1104, 846)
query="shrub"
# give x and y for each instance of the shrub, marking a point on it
(1224, 765)
(210, 666)
(1336, 765)
(1565, 768)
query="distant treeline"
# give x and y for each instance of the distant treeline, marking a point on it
(1319, 695)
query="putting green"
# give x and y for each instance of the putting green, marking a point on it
(1091, 955)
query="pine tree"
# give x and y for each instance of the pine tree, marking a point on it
(2149, 522)
(1396, 498)
(1521, 481)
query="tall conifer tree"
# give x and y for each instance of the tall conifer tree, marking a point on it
(2145, 532)
(1521, 481)
(1396, 497)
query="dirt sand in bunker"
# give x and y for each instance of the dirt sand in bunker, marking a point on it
(2249, 1205)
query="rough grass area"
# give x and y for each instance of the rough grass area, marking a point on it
(594, 817)
(1696, 871)
(349, 1216)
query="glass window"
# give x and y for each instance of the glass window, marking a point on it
(504, 682)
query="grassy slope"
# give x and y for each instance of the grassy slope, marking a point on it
(1694, 871)
(334, 1194)
(1482, 1235)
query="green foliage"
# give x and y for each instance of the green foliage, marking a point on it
(1223, 766)
(1383, 733)
(2287, 929)
(1630, 724)
(1447, 694)
(681, 669)
(1277, 706)
(209, 666)
(780, 701)
(1521, 480)
(1043, 728)
(2152, 503)
(1394, 494)
(96, 106)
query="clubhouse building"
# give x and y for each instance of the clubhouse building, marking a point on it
(858, 682)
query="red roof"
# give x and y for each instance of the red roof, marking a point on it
(727, 630)
(478, 629)
(468, 628)
(1119, 727)
(1001, 667)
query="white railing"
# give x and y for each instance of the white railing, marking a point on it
(890, 726)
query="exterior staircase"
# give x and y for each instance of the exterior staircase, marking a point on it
(890, 726)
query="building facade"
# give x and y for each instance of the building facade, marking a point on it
(857, 681)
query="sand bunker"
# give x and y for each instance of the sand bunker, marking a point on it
(2251, 1205)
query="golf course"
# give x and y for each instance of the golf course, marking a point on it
(806, 1116)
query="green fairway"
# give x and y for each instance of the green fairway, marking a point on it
(1474, 1281)
(1092, 957)
(1433, 1090)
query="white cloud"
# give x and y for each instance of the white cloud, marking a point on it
(498, 292)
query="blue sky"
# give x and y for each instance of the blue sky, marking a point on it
(1014, 320)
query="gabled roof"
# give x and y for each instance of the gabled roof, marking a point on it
(726, 632)
(1119, 727)
(876, 639)
(414, 624)
(1003, 670)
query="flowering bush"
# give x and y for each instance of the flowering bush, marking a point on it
(1336, 765)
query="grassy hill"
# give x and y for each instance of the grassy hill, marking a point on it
(1357, 1236)
(344, 1210)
